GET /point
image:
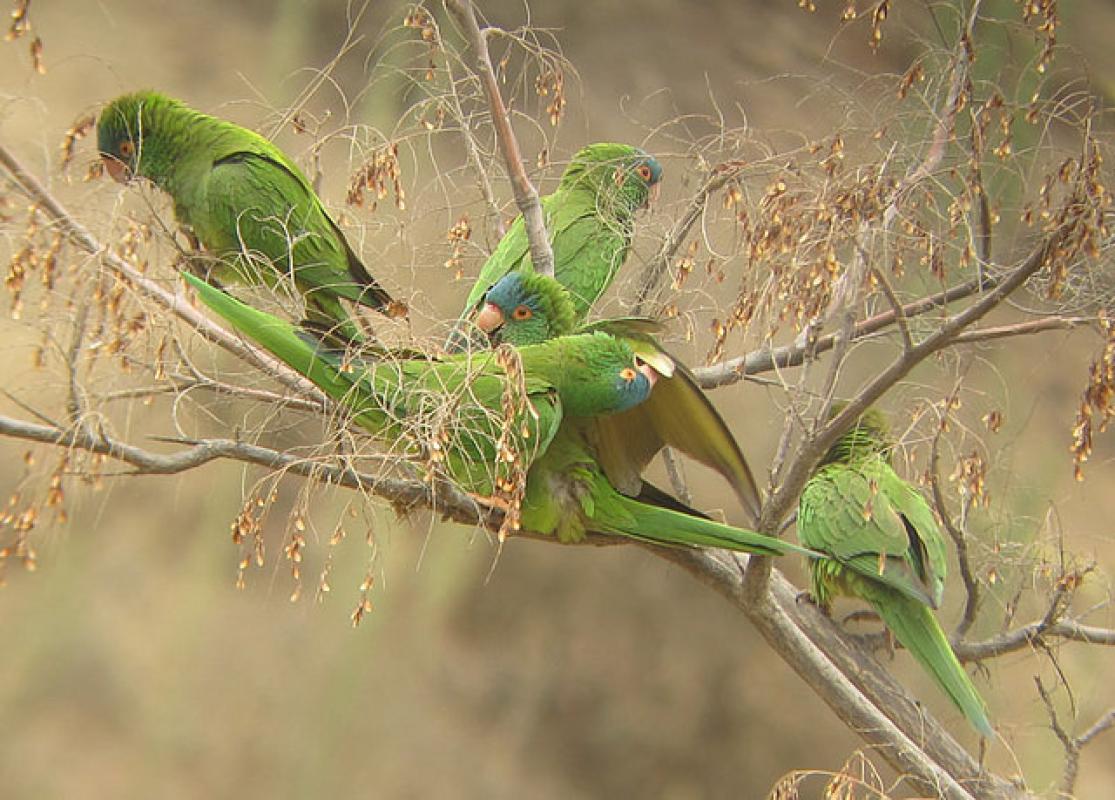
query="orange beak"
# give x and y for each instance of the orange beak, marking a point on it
(116, 169)
(490, 318)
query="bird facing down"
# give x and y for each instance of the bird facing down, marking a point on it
(246, 203)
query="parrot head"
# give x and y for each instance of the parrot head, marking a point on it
(620, 174)
(599, 374)
(121, 131)
(526, 308)
(869, 435)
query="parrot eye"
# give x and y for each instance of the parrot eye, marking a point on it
(628, 374)
(127, 148)
(645, 172)
(522, 313)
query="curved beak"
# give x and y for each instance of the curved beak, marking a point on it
(648, 371)
(116, 168)
(490, 318)
(652, 195)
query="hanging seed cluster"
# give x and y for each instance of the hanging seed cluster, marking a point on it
(1097, 400)
(458, 237)
(1041, 16)
(21, 26)
(798, 238)
(379, 176)
(515, 433)
(247, 533)
(418, 18)
(550, 84)
(76, 132)
(39, 254)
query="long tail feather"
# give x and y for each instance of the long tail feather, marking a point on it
(668, 527)
(278, 337)
(914, 625)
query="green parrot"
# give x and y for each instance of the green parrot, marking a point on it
(882, 545)
(590, 219)
(527, 308)
(458, 408)
(244, 200)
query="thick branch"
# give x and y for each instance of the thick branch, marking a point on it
(526, 197)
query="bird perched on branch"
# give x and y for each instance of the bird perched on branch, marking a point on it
(244, 201)
(881, 544)
(493, 415)
(590, 219)
(526, 308)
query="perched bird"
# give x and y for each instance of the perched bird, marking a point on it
(882, 545)
(527, 308)
(590, 219)
(245, 202)
(458, 407)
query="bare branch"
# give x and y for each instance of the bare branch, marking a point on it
(1071, 744)
(850, 681)
(1023, 329)
(1029, 635)
(767, 359)
(959, 540)
(526, 197)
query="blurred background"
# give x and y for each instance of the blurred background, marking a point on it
(132, 664)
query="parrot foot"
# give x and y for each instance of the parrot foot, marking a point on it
(805, 597)
(863, 615)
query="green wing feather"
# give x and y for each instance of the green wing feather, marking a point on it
(858, 515)
(677, 414)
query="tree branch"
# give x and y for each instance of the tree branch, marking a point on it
(1031, 635)
(526, 197)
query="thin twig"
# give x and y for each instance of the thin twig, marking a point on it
(959, 540)
(1073, 745)
(900, 320)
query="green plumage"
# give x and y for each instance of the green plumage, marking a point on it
(883, 546)
(530, 308)
(245, 201)
(590, 219)
(457, 405)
